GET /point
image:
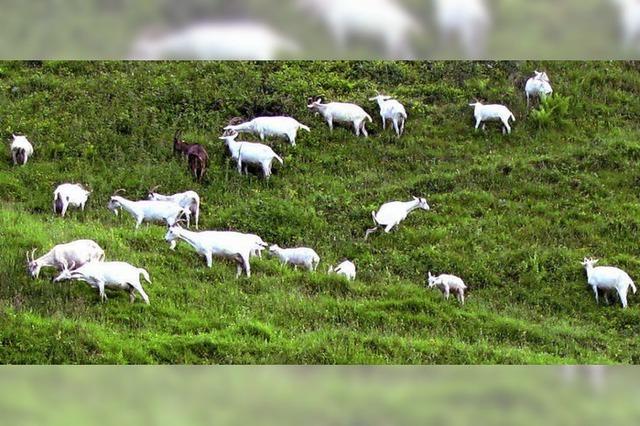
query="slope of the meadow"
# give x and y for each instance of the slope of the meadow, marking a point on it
(511, 215)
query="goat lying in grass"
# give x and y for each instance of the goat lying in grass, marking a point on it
(391, 214)
(608, 278)
(74, 253)
(101, 275)
(448, 284)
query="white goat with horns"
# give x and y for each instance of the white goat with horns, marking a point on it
(188, 200)
(76, 252)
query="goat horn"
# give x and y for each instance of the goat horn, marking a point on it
(119, 191)
(33, 254)
(155, 188)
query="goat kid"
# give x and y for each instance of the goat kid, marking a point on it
(347, 269)
(250, 153)
(301, 256)
(608, 278)
(483, 113)
(448, 284)
(538, 86)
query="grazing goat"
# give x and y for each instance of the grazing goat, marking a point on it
(76, 252)
(69, 195)
(346, 269)
(250, 153)
(538, 86)
(215, 40)
(196, 154)
(342, 113)
(282, 127)
(301, 256)
(21, 150)
(448, 284)
(150, 211)
(608, 278)
(494, 112)
(229, 245)
(391, 109)
(116, 275)
(466, 20)
(384, 21)
(391, 214)
(188, 200)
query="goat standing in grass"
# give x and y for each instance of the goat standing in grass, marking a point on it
(608, 278)
(149, 211)
(196, 154)
(391, 214)
(74, 253)
(339, 112)
(538, 86)
(69, 195)
(282, 127)
(391, 109)
(301, 256)
(448, 284)
(188, 200)
(21, 150)
(245, 153)
(483, 113)
(101, 275)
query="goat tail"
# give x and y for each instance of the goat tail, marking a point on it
(145, 274)
(375, 220)
(303, 127)
(277, 157)
(368, 117)
(513, 117)
(633, 286)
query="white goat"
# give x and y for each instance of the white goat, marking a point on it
(346, 269)
(391, 109)
(282, 127)
(608, 278)
(69, 195)
(385, 21)
(538, 86)
(150, 211)
(222, 40)
(116, 275)
(188, 200)
(76, 252)
(391, 214)
(466, 20)
(629, 21)
(301, 256)
(448, 284)
(21, 150)
(229, 245)
(493, 112)
(250, 153)
(342, 113)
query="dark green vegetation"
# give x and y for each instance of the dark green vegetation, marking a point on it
(511, 215)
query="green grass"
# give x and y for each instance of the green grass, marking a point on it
(511, 215)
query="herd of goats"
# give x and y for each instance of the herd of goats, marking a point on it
(84, 260)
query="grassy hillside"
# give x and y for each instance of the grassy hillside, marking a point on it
(511, 215)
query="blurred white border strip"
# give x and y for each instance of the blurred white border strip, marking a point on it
(319, 395)
(320, 29)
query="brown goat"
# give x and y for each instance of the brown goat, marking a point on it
(195, 153)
